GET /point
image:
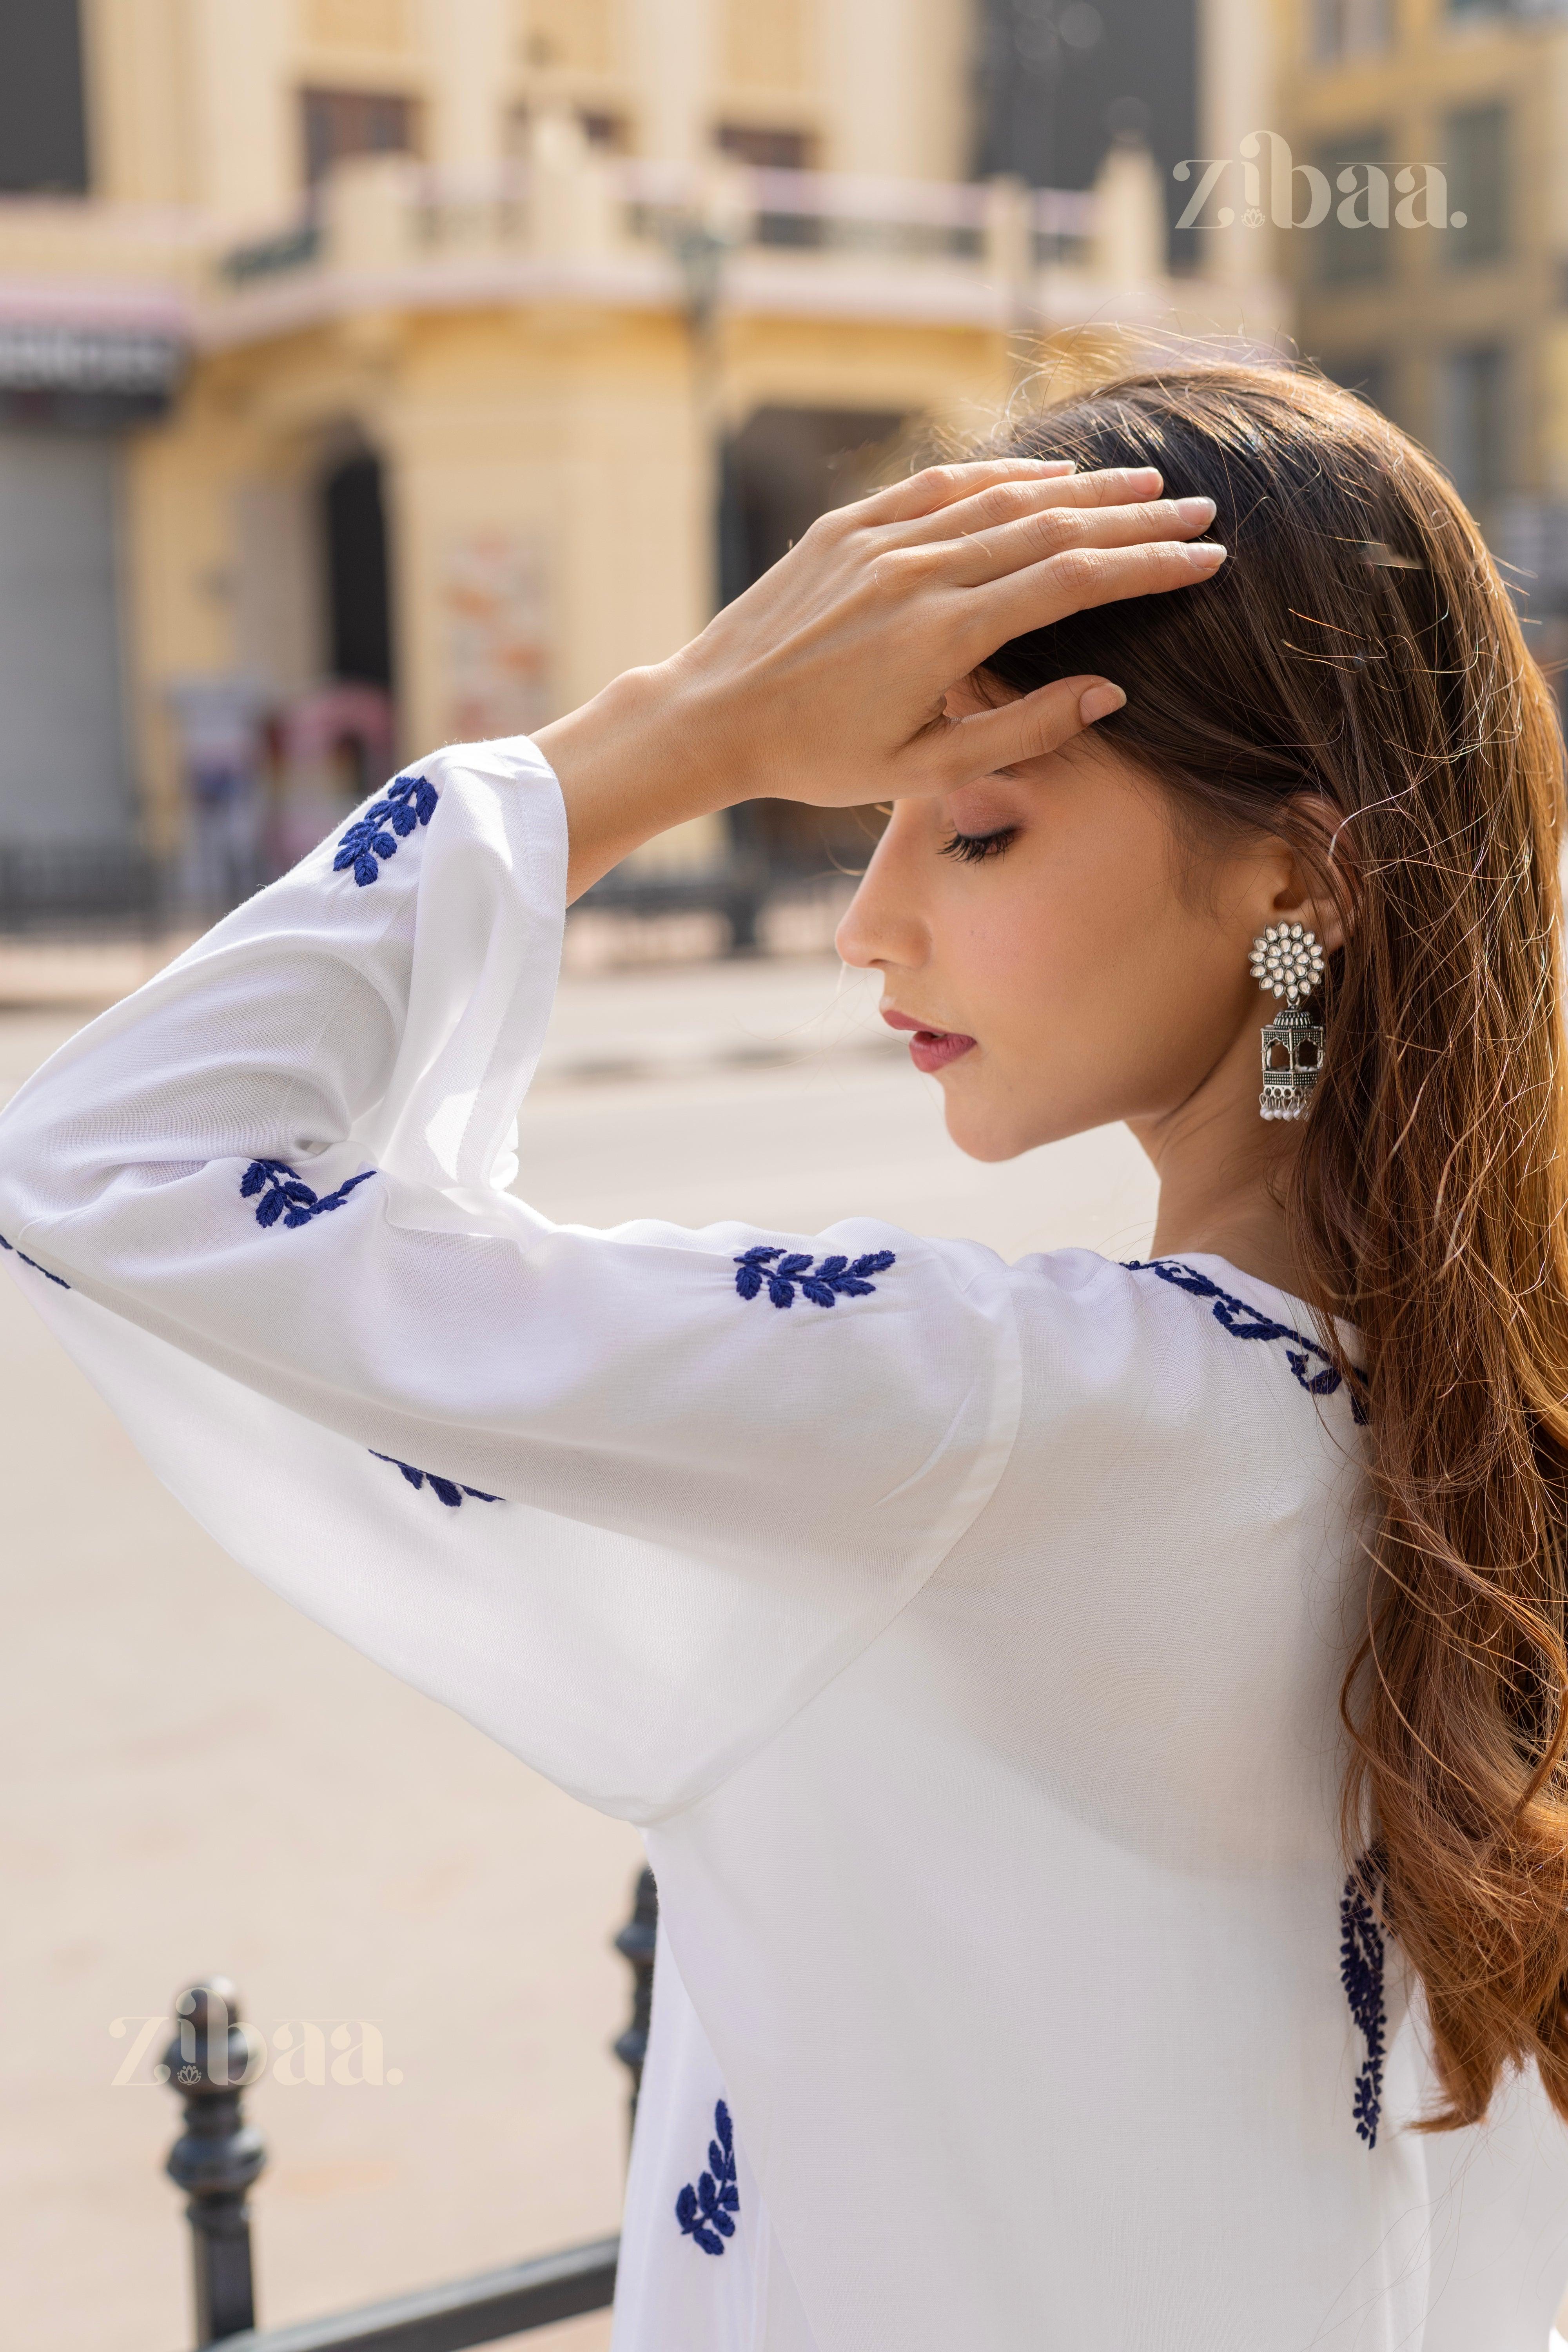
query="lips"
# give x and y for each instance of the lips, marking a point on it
(930, 1049)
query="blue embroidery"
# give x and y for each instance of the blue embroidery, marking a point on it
(445, 1490)
(823, 1285)
(1361, 1973)
(703, 2212)
(1244, 1322)
(284, 1194)
(33, 1262)
(408, 803)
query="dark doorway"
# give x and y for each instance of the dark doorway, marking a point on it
(781, 470)
(784, 468)
(359, 605)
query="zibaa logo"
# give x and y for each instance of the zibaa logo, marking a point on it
(1370, 195)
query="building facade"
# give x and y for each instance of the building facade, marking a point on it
(1453, 320)
(374, 373)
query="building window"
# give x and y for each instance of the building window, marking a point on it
(43, 124)
(775, 151)
(1475, 151)
(766, 150)
(1473, 423)
(1349, 248)
(1349, 28)
(342, 122)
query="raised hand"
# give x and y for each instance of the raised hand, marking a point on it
(826, 681)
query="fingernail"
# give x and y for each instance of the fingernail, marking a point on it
(1206, 554)
(1056, 465)
(1195, 511)
(1099, 702)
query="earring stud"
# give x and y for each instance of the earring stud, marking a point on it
(1288, 961)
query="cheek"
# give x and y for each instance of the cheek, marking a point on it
(1047, 947)
(1096, 994)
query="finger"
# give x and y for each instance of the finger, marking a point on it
(1026, 729)
(1053, 531)
(1076, 582)
(999, 503)
(942, 485)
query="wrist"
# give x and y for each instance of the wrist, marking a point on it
(639, 758)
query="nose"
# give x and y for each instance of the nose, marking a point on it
(883, 925)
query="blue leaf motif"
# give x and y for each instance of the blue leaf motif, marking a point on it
(284, 1193)
(409, 802)
(704, 2212)
(1360, 1974)
(445, 1490)
(1244, 1322)
(823, 1283)
(23, 1259)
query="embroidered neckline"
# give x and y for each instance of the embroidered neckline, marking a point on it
(1246, 1322)
(23, 1259)
(445, 1490)
(1361, 1952)
(823, 1285)
(704, 2212)
(284, 1193)
(373, 837)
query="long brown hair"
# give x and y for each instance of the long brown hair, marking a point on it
(1360, 650)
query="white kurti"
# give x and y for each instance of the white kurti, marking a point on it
(966, 1637)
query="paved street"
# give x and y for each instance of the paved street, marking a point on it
(199, 1780)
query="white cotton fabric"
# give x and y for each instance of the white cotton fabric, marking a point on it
(968, 1649)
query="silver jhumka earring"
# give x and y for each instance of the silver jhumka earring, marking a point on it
(1288, 961)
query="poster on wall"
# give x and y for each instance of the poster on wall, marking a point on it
(496, 619)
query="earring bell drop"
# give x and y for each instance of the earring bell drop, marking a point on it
(1288, 961)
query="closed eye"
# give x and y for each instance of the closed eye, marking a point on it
(971, 847)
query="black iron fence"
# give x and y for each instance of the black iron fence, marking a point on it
(119, 886)
(219, 2157)
(44, 885)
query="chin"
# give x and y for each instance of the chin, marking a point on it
(981, 1138)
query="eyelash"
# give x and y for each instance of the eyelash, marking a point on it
(971, 848)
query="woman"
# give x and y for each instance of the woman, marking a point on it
(1045, 1963)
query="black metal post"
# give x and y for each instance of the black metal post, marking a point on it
(219, 2153)
(636, 1945)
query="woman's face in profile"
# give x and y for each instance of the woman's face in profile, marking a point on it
(1060, 959)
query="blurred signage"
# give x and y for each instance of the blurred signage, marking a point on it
(53, 370)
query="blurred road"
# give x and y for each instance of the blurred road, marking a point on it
(197, 1779)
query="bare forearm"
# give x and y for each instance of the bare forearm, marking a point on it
(637, 759)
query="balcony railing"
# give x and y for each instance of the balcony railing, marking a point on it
(389, 212)
(219, 2157)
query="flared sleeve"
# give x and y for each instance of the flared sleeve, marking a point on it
(626, 1499)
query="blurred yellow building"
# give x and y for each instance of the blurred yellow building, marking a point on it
(1457, 330)
(374, 373)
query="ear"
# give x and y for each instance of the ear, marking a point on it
(1315, 884)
